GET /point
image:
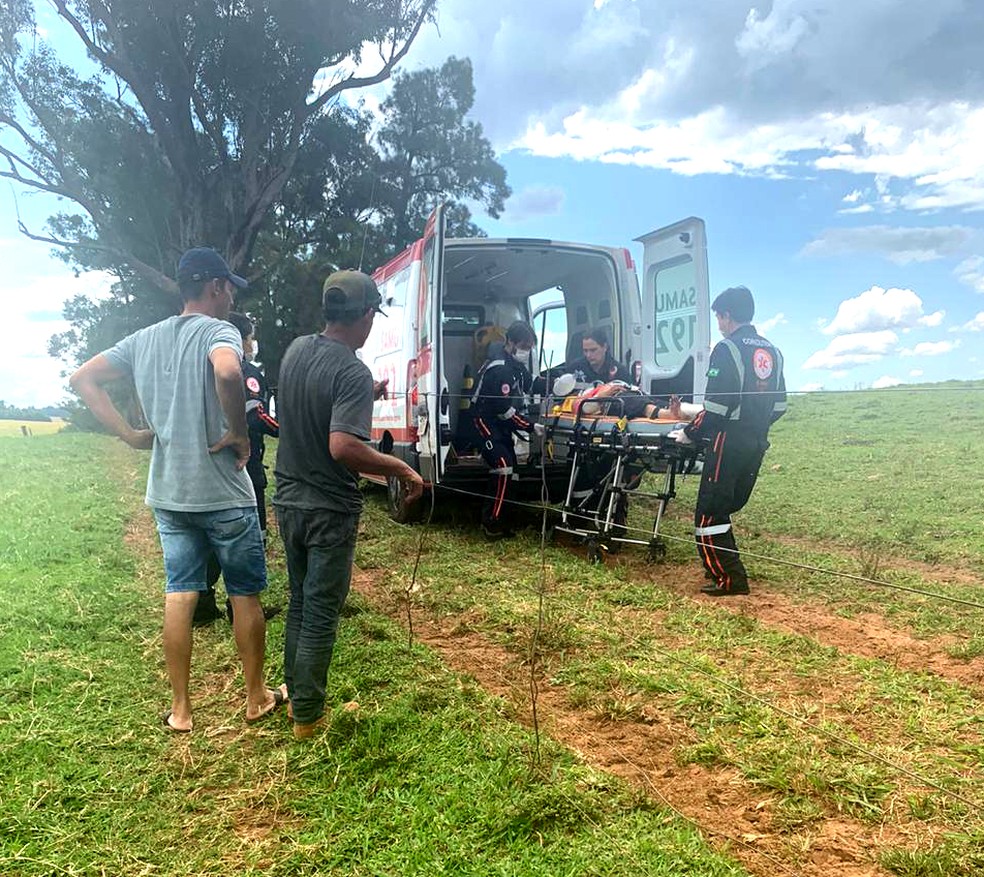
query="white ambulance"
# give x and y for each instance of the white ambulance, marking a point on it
(442, 297)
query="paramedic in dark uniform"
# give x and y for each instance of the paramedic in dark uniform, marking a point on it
(597, 364)
(498, 407)
(745, 395)
(259, 425)
(258, 421)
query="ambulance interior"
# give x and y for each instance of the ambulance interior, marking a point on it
(561, 291)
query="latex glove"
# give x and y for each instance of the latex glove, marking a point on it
(680, 437)
(507, 414)
(539, 429)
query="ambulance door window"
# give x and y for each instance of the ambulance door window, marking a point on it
(426, 294)
(550, 325)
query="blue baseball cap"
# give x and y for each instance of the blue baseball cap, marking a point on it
(201, 264)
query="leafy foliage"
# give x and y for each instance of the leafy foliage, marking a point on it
(193, 124)
(12, 412)
(222, 124)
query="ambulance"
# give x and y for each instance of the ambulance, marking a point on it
(445, 298)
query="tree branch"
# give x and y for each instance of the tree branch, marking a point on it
(383, 74)
(11, 122)
(148, 272)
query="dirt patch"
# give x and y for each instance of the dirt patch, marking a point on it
(868, 635)
(739, 817)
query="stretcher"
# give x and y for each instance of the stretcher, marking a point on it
(607, 455)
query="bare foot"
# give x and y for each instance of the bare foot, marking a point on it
(274, 698)
(175, 723)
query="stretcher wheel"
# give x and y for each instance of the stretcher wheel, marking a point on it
(656, 551)
(594, 552)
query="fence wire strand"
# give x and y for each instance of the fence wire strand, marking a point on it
(758, 556)
(579, 612)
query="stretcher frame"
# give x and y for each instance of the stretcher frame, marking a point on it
(634, 447)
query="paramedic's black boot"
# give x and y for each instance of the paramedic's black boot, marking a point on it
(268, 611)
(717, 590)
(205, 609)
(496, 530)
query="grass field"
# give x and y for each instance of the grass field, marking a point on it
(428, 776)
(35, 427)
(821, 726)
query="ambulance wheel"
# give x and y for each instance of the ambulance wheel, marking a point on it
(400, 510)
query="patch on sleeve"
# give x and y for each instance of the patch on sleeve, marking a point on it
(713, 372)
(252, 384)
(505, 389)
(763, 363)
(613, 371)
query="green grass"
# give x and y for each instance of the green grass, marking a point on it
(691, 658)
(872, 485)
(428, 776)
(625, 647)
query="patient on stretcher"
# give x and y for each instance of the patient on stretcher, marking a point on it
(632, 403)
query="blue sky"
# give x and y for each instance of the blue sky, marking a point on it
(833, 149)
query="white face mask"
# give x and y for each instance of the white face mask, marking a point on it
(522, 356)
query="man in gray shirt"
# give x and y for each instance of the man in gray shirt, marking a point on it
(324, 405)
(188, 378)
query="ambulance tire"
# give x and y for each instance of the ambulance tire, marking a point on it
(400, 510)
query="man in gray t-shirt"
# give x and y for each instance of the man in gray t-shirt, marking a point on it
(187, 374)
(324, 405)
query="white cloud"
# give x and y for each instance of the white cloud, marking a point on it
(770, 35)
(931, 348)
(28, 375)
(900, 244)
(971, 272)
(974, 325)
(767, 326)
(885, 382)
(915, 373)
(781, 88)
(852, 197)
(854, 349)
(877, 308)
(534, 201)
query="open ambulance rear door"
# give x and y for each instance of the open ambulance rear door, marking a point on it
(430, 396)
(676, 314)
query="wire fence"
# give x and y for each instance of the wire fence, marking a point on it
(578, 612)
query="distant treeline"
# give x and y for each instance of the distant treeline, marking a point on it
(12, 412)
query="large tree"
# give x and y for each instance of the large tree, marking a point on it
(358, 197)
(193, 121)
(431, 152)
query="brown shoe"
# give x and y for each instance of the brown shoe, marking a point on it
(307, 731)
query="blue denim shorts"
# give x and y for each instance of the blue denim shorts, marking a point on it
(188, 538)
